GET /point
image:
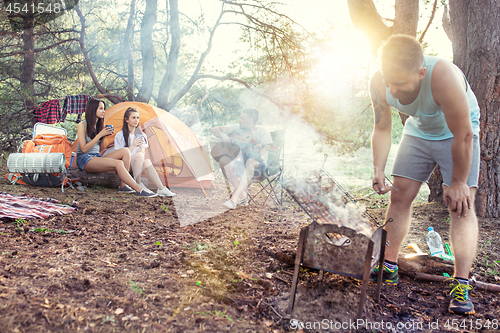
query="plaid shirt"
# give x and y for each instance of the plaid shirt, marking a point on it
(48, 112)
(75, 104)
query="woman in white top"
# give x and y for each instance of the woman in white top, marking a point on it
(132, 138)
(90, 134)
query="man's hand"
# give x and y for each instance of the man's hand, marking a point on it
(457, 198)
(379, 185)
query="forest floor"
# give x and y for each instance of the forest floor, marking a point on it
(122, 263)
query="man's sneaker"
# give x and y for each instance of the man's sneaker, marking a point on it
(389, 277)
(243, 202)
(165, 192)
(460, 300)
(147, 194)
(126, 189)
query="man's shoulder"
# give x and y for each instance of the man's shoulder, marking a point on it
(261, 130)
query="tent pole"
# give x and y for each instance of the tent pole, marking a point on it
(203, 189)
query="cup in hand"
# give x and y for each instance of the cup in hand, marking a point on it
(110, 126)
(139, 136)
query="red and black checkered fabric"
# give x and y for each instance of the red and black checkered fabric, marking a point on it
(48, 112)
(75, 104)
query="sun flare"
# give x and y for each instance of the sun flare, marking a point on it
(346, 56)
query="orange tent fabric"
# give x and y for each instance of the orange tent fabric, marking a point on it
(174, 149)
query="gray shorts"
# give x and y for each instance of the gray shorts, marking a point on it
(417, 158)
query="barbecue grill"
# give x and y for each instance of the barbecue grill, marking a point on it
(342, 239)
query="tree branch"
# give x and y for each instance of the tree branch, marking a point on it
(112, 97)
(364, 15)
(194, 78)
(246, 84)
(40, 49)
(430, 21)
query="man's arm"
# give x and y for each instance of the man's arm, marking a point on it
(381, 137)
(265, 139)
(222, 132)
(449, 91)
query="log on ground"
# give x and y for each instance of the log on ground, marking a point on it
(105, 179)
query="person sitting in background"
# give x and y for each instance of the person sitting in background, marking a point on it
(131, 138)
(239, 165)
(90, 134)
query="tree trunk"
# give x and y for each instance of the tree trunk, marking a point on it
(173, 55)
(28, 64)
(105, 179)
(406, 17)
(128, 50)
(436, 186)
(479, 59)
(147, 51)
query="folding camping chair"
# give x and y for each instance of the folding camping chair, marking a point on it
(271, 178)
(41, 128)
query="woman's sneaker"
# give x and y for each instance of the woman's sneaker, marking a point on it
(165, 192)
(460, 300)
(146, 193)
(126, 189)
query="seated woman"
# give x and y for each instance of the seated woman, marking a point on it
(90, 134)
(134, 140)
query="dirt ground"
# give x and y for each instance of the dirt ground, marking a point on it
(121, 263)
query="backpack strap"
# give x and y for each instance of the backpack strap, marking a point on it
(13, 178)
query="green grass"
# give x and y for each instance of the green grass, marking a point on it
(135, 287)
(356, 171)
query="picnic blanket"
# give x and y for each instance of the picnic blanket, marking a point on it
(24, 206)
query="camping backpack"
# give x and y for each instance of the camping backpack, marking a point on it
(49, 143)
(43, 162)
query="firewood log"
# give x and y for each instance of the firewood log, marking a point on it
(105, 179)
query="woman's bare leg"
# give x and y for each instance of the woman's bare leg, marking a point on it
(137, 163)
(122, 154)
(104, 164)
(153, 174)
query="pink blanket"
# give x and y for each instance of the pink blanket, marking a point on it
(23, 206)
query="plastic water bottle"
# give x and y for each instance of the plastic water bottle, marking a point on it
(434, 242)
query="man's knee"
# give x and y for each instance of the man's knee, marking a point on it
(251, 164)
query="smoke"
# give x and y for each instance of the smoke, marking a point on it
(304, 151)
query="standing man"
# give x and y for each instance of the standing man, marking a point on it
(442, 129)
(250, 156)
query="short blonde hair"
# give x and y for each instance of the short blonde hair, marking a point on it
(403, 53)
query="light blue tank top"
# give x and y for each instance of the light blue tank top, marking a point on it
(93, 150)
(427, 120)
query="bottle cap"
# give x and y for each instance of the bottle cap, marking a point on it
(430, 229)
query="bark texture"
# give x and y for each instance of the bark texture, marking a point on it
(476, 50)
(105, 179)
